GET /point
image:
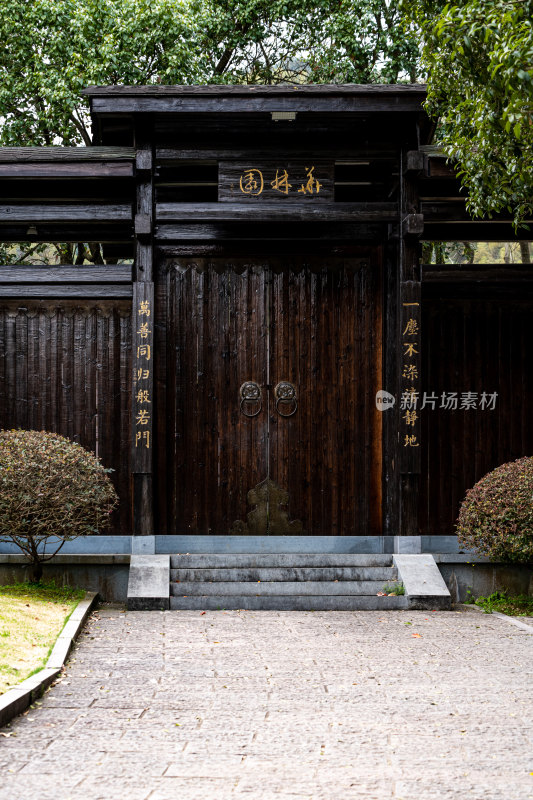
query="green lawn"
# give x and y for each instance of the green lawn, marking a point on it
(31, 618)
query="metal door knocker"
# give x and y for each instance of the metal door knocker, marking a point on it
(250, 393)
(285, 394)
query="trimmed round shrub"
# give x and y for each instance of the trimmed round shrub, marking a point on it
(496, 516)
(50, 487)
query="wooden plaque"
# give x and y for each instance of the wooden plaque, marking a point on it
(280, 181)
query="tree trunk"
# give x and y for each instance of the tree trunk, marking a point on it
(36, 571)
(525, 253)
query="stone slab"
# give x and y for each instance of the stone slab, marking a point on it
(148, 584)
(246, 544)
(84, 544)
(278, 560)
(323, 573)
(289, 603)
(424, 585)
(143, 544)
(72, 558)
(288, 588)
(273, 544)
(407, 544)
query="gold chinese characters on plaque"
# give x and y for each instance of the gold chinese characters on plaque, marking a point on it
(410, 342)
(142, 377)
(276, 181)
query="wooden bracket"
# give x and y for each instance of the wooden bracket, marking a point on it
(413, 225)
(143, 160)
(416, 162)
(143, 225)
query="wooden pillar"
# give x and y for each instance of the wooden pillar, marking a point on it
(409, 333)
(143, 346)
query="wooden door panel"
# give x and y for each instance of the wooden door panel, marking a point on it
(315, 323)
(326, 340)
(218, 317)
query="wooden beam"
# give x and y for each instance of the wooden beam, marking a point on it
(260, 248)
(276, 212)
(439, 168)
(71, 212)
(474, 231)
(283, 231)
(65, 274)
(62, 290)
(477, 273)
(68, 169)
(105, 232)
(291, 150)
(61, 154)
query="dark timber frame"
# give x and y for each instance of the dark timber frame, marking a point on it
(147, 190)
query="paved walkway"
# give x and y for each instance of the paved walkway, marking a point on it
(282, 706)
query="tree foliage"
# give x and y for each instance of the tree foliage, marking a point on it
(51, 490)
(478, 55)
(51, 49)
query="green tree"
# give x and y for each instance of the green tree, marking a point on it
(478, 55)
(51, 49)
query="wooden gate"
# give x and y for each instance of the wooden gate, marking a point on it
(269, 424)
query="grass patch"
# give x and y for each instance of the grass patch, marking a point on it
(32, 616)
(394, 589)
(520, 605)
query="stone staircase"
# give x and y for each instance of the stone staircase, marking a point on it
(283, 581)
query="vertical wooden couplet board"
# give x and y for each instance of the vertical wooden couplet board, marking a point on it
(143, 382)
(410, 347)
(142, 318)
(408, 350)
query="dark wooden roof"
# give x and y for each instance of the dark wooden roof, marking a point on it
(221, 90)
(319, 98)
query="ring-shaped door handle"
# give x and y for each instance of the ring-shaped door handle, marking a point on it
(285, 394)
(250, 394)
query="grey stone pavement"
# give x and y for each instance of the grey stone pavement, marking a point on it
(282, 706)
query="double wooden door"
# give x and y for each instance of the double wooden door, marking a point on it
(271, 372)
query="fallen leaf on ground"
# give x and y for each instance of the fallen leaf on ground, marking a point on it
(416, 635)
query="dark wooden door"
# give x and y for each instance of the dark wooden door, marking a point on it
(271, 371)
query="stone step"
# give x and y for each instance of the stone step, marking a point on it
(241, 574)
(286, 588)
(234, 560)
(289, 603)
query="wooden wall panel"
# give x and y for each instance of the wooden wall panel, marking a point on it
(479, 346)
(66, 368)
